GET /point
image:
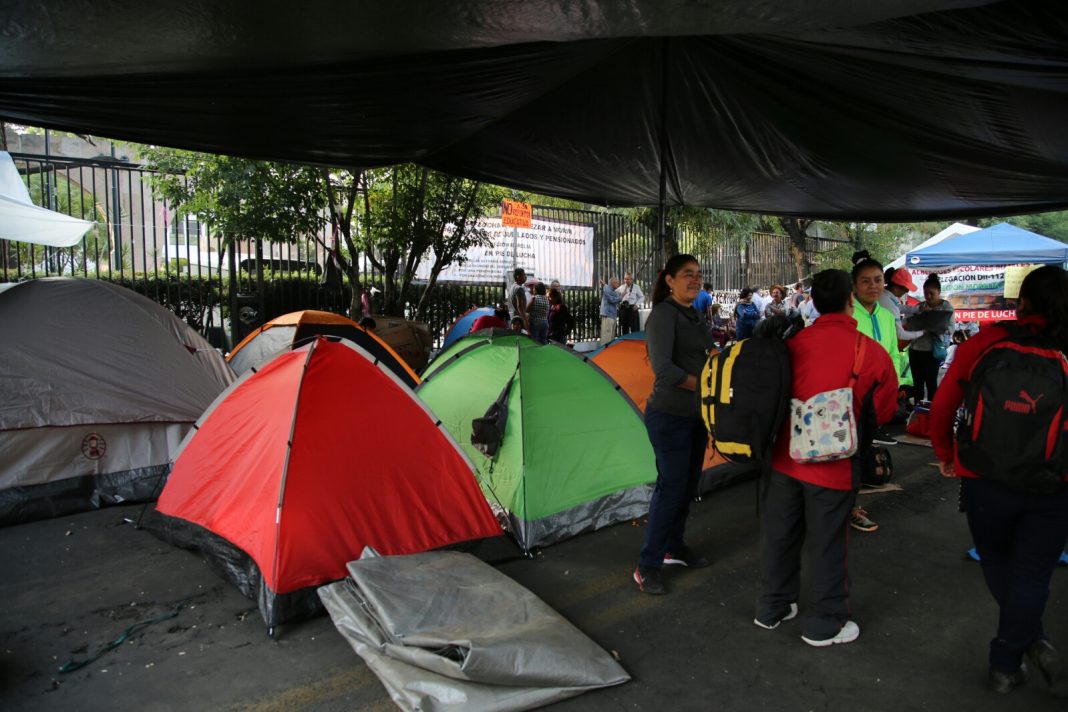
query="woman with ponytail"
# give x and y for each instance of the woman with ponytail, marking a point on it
(1019, 534)
(677, 341)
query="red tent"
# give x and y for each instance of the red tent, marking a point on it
(315, 456)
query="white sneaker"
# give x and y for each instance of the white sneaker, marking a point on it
(849, 632)
(792, 613)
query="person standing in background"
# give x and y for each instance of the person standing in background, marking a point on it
(746, 314)
(776, 304)
(703, 302)
(928, 351)
(878, 323)
(609, 309)
(560, 320)
(538, 315)
(631, 299)
(517, 296)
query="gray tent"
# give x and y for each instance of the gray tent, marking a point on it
(445, 631)
(98, 386)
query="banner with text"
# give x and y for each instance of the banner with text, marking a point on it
(547, 250)
(978, 293)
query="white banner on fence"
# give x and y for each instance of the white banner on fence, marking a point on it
(548, 250)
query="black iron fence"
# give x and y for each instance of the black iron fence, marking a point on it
(141, 242)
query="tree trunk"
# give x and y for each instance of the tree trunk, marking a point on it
(797, 230)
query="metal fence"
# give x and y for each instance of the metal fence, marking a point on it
(140, 242)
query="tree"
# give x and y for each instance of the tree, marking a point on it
(797, 230)
(1053, 225)
(885, 242)
(411, 213)
(242, 199)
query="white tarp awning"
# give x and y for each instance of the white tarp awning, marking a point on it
(22, 221)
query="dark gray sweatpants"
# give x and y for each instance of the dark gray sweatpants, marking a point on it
(794, 512)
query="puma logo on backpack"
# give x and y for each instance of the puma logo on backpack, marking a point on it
(1013, 429)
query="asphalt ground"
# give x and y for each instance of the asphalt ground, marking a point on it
(71, 585)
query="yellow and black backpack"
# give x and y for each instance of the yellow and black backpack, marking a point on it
(745, 395)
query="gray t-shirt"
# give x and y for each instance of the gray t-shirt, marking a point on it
(677, 342)
(515, 293)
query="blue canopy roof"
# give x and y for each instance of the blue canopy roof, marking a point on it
(1001, 244)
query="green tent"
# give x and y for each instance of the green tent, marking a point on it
(573, 455)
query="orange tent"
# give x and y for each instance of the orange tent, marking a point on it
(290, 330)
(626, 362)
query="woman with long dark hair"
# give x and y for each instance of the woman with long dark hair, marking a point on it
(1019, 533)
(677, 341)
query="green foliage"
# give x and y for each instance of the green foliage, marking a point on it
(1053, 225)
(240, 198)
(885, 242)
(411, 213)
(630, 248)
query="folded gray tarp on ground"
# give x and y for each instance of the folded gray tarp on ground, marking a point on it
(445, 631)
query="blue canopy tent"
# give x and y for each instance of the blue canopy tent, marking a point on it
(1001, 244)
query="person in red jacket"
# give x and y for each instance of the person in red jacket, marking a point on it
(1019, 536)
(814, 501)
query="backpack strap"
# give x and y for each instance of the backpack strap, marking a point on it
(858, 359)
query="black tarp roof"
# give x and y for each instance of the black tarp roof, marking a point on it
(888, 110)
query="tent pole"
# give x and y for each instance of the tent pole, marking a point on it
(661, 237)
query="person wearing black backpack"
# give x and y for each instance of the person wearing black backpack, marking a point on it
(677, 341)
(1010, 453)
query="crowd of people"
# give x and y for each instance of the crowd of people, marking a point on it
(919, 356)
(854, 344)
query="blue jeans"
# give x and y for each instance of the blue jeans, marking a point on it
(679, 443)
(1020, 538)
(539, 330)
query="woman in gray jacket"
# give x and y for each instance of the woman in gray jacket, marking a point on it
(677, 340)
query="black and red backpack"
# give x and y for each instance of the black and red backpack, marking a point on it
(1013, 428)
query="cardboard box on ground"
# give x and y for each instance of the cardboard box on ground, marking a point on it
(410, 339)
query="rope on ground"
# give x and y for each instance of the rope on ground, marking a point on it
(72, 665)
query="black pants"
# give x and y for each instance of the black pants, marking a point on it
(679, 443)
(1019, 538)
(793, 512)
(924, 374)
(628, 319)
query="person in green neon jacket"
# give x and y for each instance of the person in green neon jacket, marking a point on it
(873, 319)
(878, 322)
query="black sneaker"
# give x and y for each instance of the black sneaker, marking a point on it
(883, 438)
(1005, 682)
(686, 558)
(649, 581)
